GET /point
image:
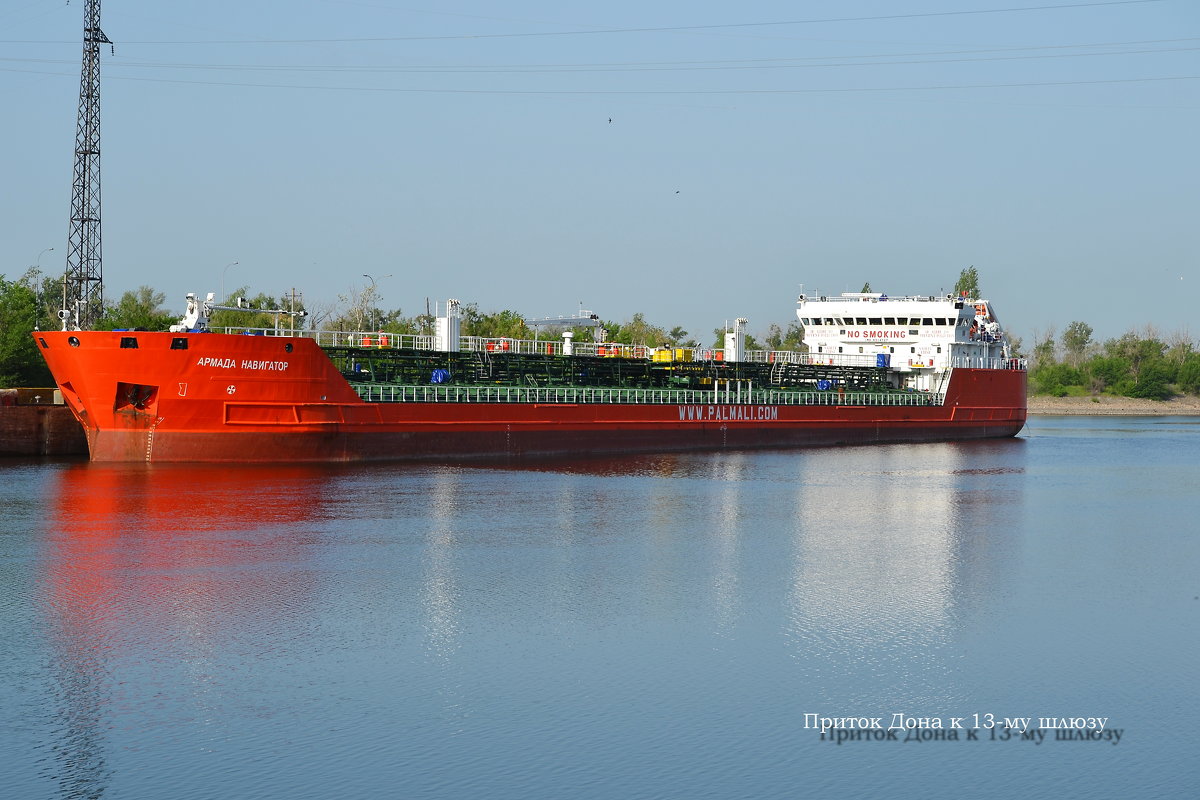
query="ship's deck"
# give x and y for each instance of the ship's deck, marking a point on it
(470, 369)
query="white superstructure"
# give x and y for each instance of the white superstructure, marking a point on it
(924, 335)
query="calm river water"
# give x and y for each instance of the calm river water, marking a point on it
(652, 627)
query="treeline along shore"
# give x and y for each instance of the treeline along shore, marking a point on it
(1137, 365)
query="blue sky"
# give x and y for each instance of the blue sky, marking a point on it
(465, 149)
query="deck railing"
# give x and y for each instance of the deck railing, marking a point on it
(386, 393)
(989, 363)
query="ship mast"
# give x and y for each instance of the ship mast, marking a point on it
(83, 287)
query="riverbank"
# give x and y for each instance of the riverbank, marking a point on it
(1114, 406)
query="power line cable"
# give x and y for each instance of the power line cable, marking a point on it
(661, 29)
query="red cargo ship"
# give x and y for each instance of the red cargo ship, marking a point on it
(878, 369)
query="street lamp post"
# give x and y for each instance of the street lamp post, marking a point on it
(227, 266)
(372, 280)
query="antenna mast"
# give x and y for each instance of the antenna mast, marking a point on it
(83, 287)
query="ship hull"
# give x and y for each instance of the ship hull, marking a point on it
(221, 398)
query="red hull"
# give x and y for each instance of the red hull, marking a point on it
(268, 399)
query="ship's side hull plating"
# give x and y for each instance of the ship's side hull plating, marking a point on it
(163, 397)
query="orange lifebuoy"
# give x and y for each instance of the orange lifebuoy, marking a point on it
(367, 341)
(383, 340)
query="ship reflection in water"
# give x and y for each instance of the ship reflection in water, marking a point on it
(233, 613)
(893, 556)
(151, 578)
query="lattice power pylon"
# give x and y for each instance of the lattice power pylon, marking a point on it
(83, 286)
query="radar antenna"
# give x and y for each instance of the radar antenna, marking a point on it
(83, 286)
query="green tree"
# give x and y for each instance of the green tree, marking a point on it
(395, 322)
(1056, 379)
(495, 325)
(866, 289)
(20, 362)
(138, 309)
(678, 337)
(638, 330)
(1139, 352)
(1136, 366)
(1179, 348)
(1108, 372)
(1043, 348)
(968, 281)
(791, 339)
(1187, 377)
(1075, 341)
(1153, 382)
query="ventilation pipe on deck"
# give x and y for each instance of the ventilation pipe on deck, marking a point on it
(735, 340)
(447, 330)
